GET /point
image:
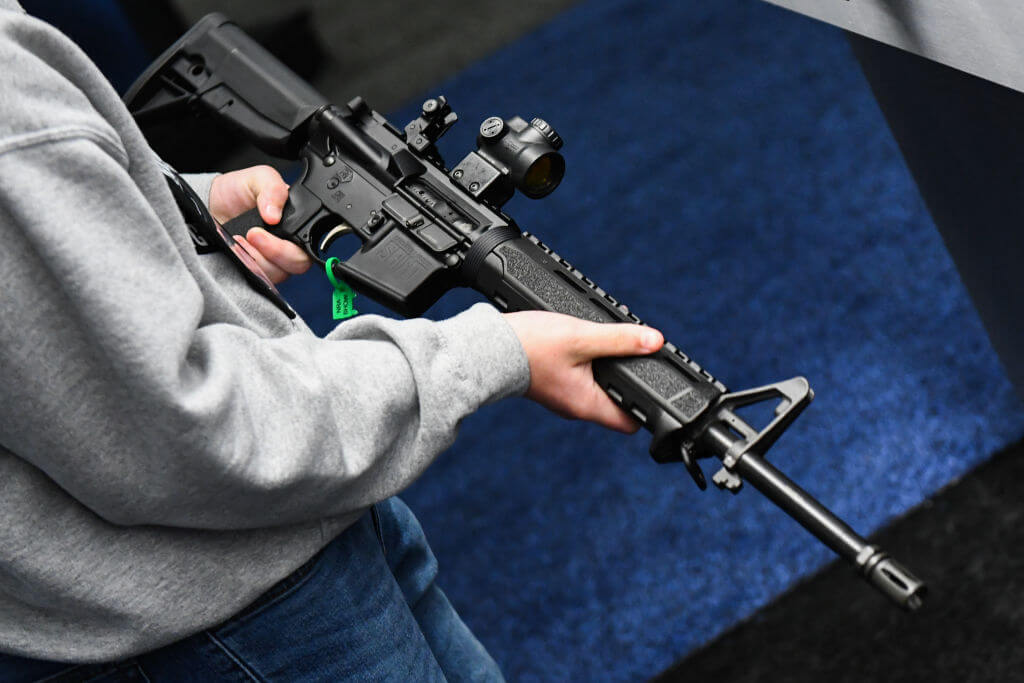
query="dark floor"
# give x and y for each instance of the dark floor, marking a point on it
(965, 542)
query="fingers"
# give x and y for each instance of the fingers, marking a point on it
(602, 410)
(262, 187)
(560, 350)
(285, 256)
(269, 191)
(597, 340)
(275, 274)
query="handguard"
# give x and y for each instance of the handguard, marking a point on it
(425, 229)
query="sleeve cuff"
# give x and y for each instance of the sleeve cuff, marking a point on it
(489, 351)
(201, 183)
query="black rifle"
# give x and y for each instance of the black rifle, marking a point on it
(425, 229)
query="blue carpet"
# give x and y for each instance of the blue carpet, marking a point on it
(729, 177)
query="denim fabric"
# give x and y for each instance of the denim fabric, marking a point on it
(366, 608)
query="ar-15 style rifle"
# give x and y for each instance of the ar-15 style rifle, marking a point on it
(425, 229)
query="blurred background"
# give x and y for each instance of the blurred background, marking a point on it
(731, 179)
(387, 52)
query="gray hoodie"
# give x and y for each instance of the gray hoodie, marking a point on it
(981, 38)
(171, 444)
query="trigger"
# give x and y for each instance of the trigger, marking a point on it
(333, 234)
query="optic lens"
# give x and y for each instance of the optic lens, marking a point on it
(543, 175)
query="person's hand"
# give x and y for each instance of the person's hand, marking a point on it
(232, 194)
(561, 349)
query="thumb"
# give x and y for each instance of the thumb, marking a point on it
(269, 190)
(617, 339)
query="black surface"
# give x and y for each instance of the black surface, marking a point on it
(965, 542)
(157, 22)
(962, 140)
(389, 51)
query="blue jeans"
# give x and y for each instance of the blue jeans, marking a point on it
(366, 608)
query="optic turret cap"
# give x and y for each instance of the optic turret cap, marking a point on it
(549, 133)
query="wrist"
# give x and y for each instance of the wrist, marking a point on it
(202, 183)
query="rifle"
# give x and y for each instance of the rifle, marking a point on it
(425, 229)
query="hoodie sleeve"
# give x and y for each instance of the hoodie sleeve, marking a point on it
(122, 389)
